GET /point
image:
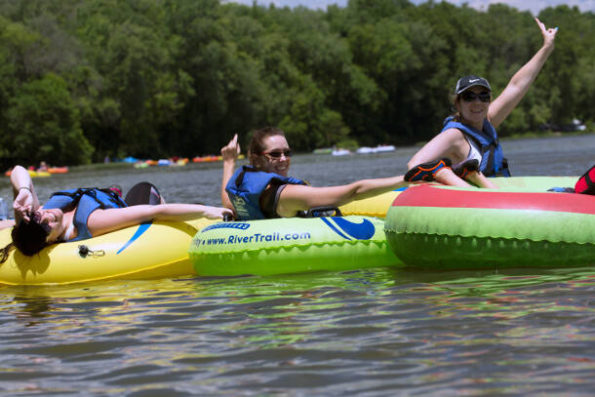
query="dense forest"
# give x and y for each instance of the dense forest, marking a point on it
(84, 79)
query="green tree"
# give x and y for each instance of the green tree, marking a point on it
(42, 121)
(154, 78)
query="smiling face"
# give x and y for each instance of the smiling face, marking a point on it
(53, 218)
(275, 157)
(473, 105)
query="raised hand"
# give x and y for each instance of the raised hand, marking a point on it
(23, 204)
(549, 35)
(231, 151)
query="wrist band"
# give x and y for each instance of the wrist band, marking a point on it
(24, 187)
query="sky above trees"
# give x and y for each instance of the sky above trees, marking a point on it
(524, 5)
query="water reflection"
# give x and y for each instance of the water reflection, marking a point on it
(266, 300)
(361, 331)
(32, 309)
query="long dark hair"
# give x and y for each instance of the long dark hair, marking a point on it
(28, 237)
(256, 146)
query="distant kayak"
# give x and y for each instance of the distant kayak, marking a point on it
(377, 149)
(57, 170)
(340, 152)
(32, 173)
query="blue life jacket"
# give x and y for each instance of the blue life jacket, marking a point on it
(493, 162)
(247, 185)
(86, 200)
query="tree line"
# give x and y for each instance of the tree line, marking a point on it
(84, 79)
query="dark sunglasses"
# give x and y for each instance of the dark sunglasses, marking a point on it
(276, 154)
(470, 96)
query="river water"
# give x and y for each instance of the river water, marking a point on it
(382, 332)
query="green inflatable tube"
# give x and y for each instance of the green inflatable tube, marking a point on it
(438, 227)
(291, 245)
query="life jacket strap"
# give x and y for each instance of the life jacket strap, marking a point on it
(77, 194)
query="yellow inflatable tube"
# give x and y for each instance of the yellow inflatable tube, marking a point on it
(149, 250)
(379, 205)
(376, 206)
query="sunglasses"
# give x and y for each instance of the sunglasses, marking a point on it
(470, 96)
(276, 154)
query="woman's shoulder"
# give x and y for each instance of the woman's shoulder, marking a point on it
(451, 134)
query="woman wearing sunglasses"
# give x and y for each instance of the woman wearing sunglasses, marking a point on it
(469, 139)
(84, 213)
(263, 189)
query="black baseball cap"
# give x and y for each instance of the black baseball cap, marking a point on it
(467, 82)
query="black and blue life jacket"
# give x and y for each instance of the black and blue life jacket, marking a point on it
(246, 186)
(86, 200)
(493, 162)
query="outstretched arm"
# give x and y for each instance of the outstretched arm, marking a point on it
(450, 144)
(518, 86)
(104, 221)
(25, 198)
(296, 198)
(230, 154)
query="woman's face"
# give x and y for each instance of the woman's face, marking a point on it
(276, 156)
(53, 219)
(473, 105)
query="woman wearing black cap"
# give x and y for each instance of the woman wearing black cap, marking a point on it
(469, 140)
